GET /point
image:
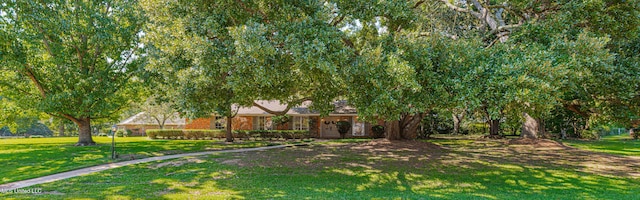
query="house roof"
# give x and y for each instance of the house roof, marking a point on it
(142, 119)
(341, 108)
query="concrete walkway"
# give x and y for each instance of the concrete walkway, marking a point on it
(89, 170)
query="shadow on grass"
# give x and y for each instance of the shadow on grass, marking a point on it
(25, 160)
(376, 169)
(619, 145)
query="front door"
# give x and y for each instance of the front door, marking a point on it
(328, 127)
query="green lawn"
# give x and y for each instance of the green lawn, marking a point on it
(443, 169)
(34, 157)
(619, 144)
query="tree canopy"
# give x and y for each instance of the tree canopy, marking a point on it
(395, 61)
(70, 59)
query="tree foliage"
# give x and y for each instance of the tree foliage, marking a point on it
(545, 54)
(70, 59)
(392, 60)
(397, 60)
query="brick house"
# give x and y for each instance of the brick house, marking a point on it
(301, 118)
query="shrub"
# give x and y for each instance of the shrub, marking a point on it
(295, 134)
(192, 134)
(165, 133)
(476, 128)
(343, 127)
(152, 133)
(215, 134)
(39, 129)
(241, 134)
(5, 131)
(267, 134)
(128, 133)
(378, 131)
(106, 130)
(244, 134)
(175, 134)
(203, 133)
(591, 134)
(120, 133)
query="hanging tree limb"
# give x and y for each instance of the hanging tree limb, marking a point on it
(289, 106)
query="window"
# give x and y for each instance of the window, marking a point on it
(221, 122)
(261, 123)
(300, 123)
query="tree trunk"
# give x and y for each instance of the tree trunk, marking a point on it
(406, 128)
(457, 119)
(160, 122)
(576, 131)
(84, 132)
(393, 130)
(494, 127)
(530, 127)
(228, 129)
(61, 129)
(409, 126)
(541, 127)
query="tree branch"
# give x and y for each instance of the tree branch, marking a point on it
(78, 52)
(157, 120)
(499, 17)
(350, 44)
(335, 23)
(289, 106)
(10, 85)
(493, 42)
(34, 79)
(426, 34)
(576, 109)
(506, 27)
(459, 9)
(233, 114)
(45, 40)
(418, 4)
(73, 119)
(253, 12)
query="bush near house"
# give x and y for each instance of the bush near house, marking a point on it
(119, 133)
(271, 134)
(378, 131)
(202, 134)
(165, 133)
(219, 134)
(343, 128)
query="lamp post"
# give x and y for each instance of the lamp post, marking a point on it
(114, 128)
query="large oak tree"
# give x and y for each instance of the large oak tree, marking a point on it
(71, 59)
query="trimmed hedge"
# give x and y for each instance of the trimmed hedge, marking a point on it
(271, 134)
(219, 134)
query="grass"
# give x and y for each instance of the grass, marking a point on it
(618, 144)
(442, 169)
(34, 157)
